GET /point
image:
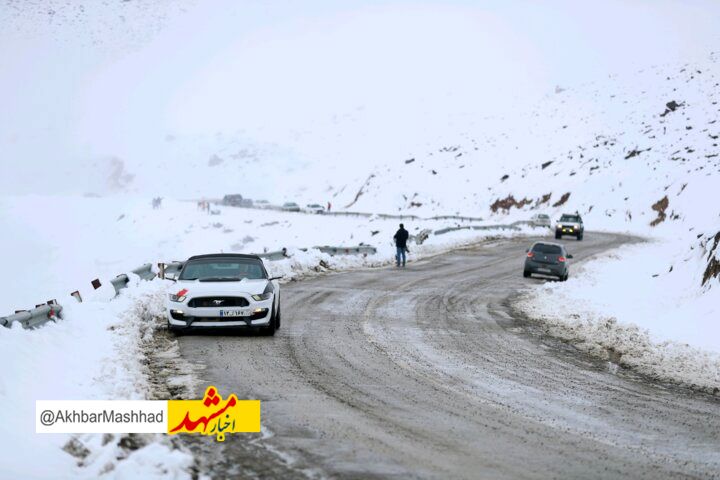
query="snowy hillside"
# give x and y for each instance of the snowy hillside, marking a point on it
(630, 141)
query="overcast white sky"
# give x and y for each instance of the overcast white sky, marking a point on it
(115, 80)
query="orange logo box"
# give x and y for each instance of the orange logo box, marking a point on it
(214, 416)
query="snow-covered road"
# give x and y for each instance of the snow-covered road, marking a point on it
(425, 373)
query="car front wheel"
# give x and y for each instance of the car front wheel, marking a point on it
(526, 273)
(269, 331)
(558, 235)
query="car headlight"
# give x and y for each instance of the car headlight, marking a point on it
(262, 296)
(266, 295)
(179, 296)
(576, 226)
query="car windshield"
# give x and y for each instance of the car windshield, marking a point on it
(570, 218)
(223, 269)
(548, 249)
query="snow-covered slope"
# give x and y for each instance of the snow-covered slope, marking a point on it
(616, 146)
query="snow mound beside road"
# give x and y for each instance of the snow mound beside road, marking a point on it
(94, 353)
(617, 314)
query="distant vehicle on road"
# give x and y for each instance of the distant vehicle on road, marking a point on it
(541, 220)
(262, 204)
(314, 208)
(290, 207)
(224, 291)
(570, 224)
(547, 258)
(232, 200)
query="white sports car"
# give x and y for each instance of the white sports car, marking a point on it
(224, 291)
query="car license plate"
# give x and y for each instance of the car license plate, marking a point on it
(233, 313)
(543, 270)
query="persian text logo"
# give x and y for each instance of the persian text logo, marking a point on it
(214, 416)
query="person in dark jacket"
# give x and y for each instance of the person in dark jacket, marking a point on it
(401, 238)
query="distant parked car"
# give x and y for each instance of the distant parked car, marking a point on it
(314, 208)
(541, 220)
(570, 224)
(246, 202)
(233, 200)
(290, 207)
(262, 204)
(547, 258)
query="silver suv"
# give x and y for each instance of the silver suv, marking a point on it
(570, 224)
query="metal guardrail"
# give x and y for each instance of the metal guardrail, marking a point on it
(33, 318)
(387, 216)
(358, 250)
(273, 256)
(443, 231)
(172, 268)
(345, 213)
(42, 314)
(144, 272)
(420, 237)
(511, 226)
(456, 217)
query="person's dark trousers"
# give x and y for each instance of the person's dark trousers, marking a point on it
(400, 255)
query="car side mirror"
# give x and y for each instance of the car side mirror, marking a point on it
(569, 256)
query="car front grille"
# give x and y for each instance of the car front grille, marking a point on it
(254, 316)
(220, 302)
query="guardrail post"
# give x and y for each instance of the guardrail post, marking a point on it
(144, 272)
(76, 295)
(119, 282)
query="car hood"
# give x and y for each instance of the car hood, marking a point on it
(196, 288)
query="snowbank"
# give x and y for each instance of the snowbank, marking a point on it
(95, 352)
(629, 307)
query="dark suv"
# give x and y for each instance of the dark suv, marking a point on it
(570, 224)
(547, 259)
(233, 200)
